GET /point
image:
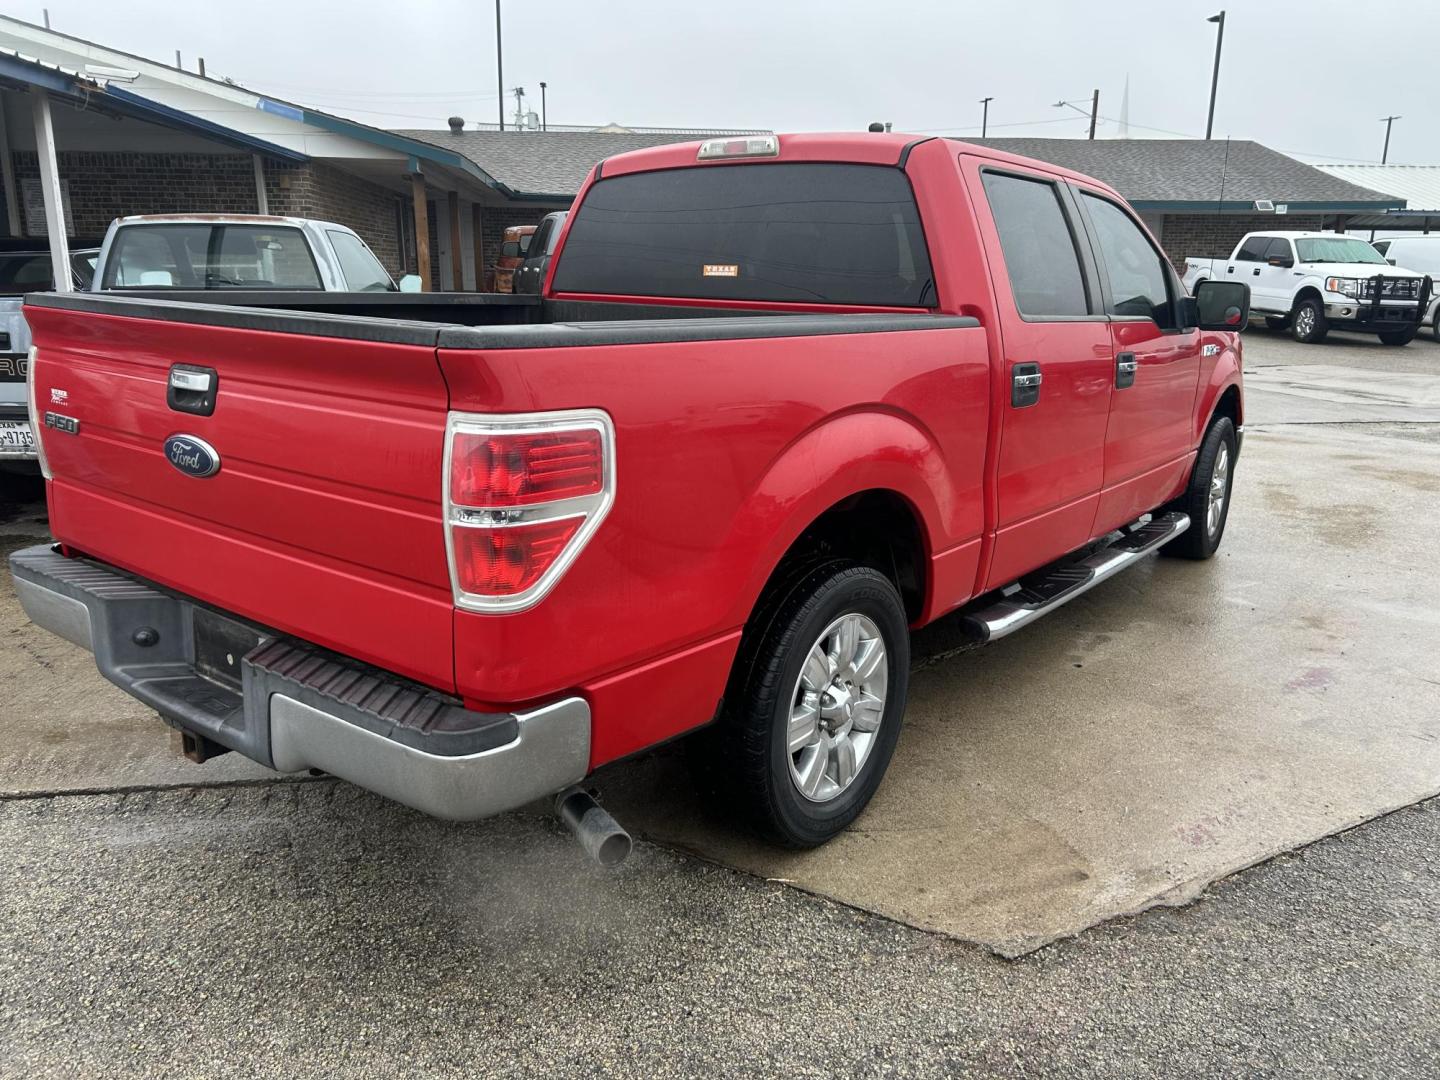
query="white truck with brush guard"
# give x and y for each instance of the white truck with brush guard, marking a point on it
(1309, 283)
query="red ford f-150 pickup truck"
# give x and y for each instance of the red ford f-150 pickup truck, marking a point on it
(781, 400)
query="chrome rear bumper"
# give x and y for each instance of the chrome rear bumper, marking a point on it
(292, 706)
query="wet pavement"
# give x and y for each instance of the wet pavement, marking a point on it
(1176, 724)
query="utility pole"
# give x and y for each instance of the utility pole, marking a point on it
(1094, 109)
(519, 93)
(985, 116)
(544, 119)
(1215, 75)
(499, 68)
(1387, 121)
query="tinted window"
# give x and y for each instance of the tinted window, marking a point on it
(555, 233)
(509, 249)
(205, 256)
(1254, 249)
(541, 239)
(361, 270)
(1039, 248)
(1139, 283)
(25, 273)
(840, 234)
(1381, 246)
(1279, 249)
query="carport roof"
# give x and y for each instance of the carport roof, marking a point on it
(546, 163)
(1185, 175)
(28, 72)
(1419, 185)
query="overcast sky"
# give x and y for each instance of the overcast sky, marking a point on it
(1302, 76)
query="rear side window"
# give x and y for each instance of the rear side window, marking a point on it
(1138, 279)
(1254, 249)
(1039, 247)
(801, 232)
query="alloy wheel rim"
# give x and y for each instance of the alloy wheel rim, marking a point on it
(837, 707)
(1305, 321)
(1219, 487)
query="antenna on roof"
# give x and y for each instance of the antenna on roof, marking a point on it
(1224, 167)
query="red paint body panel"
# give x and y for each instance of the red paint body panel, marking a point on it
(326, 520)
(711, 490)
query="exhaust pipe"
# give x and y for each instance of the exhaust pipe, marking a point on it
(599, 834)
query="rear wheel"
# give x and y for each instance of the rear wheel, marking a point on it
(1307, 323)
(1207, 499)
(814, 707)
(1399, 337)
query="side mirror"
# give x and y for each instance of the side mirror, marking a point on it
(410, 283)
(1222, 305)
(1282, 261)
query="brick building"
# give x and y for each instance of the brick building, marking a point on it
(1199, 196)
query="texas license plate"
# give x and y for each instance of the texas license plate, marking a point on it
(16, 439)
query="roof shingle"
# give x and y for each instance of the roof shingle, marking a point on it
(543, 162)
(1164, 172)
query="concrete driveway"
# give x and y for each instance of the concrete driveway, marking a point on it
(1178, 723)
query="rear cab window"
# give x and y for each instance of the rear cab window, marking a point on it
(204, 255)
(800, 232)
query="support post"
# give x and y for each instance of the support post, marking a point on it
(262, 201)
(422, 230)
(457, 257)
(1094, 112)
(477, 239)
(50, 189)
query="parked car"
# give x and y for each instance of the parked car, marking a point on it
(464, 563)
(1310, 283)
(514, 245)
(1422, 255)
(236, 251)
(530, 277)
(24, 268)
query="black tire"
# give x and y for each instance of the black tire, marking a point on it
(1399, 337)
(1435, 326)
(744, 758)
(1201, 540)
(1278, 323)
(1308, 324)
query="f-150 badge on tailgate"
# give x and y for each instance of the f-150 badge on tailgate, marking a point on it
(192, 456)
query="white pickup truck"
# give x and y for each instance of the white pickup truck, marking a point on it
(1310, 283)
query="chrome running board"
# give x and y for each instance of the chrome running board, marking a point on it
(1020, 605)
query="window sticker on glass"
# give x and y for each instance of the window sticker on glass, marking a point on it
(721, 270)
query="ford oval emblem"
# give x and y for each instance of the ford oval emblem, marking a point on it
(192, 456)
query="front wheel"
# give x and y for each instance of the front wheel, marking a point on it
(1399, 337)
(1207, 499)
(814, 708)
(1307, 324)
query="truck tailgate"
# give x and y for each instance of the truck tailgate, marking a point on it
(323, 519)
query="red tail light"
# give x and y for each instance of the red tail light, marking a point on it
(523, 494)
(520, 470)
